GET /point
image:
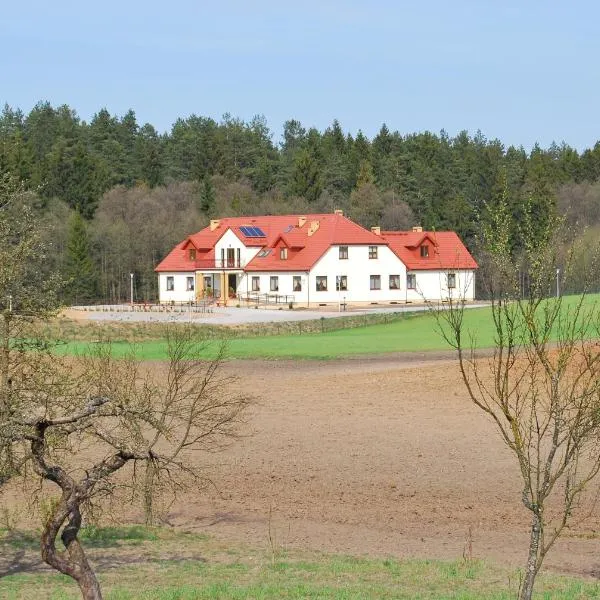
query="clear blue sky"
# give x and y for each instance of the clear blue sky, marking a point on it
(521, 71)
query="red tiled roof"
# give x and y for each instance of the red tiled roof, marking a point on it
(446, 251)
(304, 250)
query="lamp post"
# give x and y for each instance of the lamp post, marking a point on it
(557, 283)
(131, 288)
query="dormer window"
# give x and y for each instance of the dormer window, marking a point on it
(192, 253)
(283, 253)
(424, 251)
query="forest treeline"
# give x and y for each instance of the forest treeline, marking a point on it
(117, 195)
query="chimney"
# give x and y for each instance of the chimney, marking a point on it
(338, 211)
(417, 229)
(301, 221)
(214, 224)
(314, 225)
(376, 230)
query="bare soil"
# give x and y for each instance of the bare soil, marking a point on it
(382, 456)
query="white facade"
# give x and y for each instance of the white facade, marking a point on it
(230, 244)
(173, 287)
(364, 276)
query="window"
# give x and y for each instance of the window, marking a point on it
(394, 282)
(372, 251)
(256, 284)
(375, 282)
(341, 283)
(170, 283)
(343, 252)
(321, 283)
(238, 255)
(283, 253)
(451, 279)
(274, 283)
(189, 285)
(425, 251)
(264, 252)
(411, 281)
(297, 283)
(192, 253)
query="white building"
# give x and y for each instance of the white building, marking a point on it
(315, 259)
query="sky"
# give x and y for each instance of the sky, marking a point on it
(522, 72)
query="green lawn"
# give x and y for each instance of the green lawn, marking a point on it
(164, 564)
(415, 333)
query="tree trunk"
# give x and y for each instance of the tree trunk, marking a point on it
(533, 558)
(73, 562)
(5, 364)
(149, 493)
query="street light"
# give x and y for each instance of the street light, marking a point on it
(131, 288)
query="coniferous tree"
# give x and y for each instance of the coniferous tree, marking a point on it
(79, 267)
(207, 196)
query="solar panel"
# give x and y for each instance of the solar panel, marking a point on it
(252, 232)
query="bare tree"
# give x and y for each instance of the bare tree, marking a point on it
(82, 422)
(541, 385)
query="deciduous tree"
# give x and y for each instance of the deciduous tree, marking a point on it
(541, 386)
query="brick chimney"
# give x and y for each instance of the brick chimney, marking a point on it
(417, 229)
(376, 230)
(338, 211)
(214, 224)
(301, 221)
(314, 225)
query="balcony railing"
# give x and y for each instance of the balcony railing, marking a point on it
(218, 263)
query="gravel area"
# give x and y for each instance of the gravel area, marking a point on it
(233, 315)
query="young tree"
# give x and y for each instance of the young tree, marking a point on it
(541, 386)
(80, 422)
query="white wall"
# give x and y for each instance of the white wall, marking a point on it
(179, 293)
(358, 268)
(432, 285)
(231, 240)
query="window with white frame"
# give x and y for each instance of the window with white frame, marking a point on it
(424, 251)
(394, 282)
(343, 252)
(189, 284)
(283, 253)
(297, 283)
(372, 251)
(341, 283)
(170, 283)
(321, 284)
(255, 284)
(411, 281)
(274, 287)
(375, 282)
(192, 252)
(451, 280)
